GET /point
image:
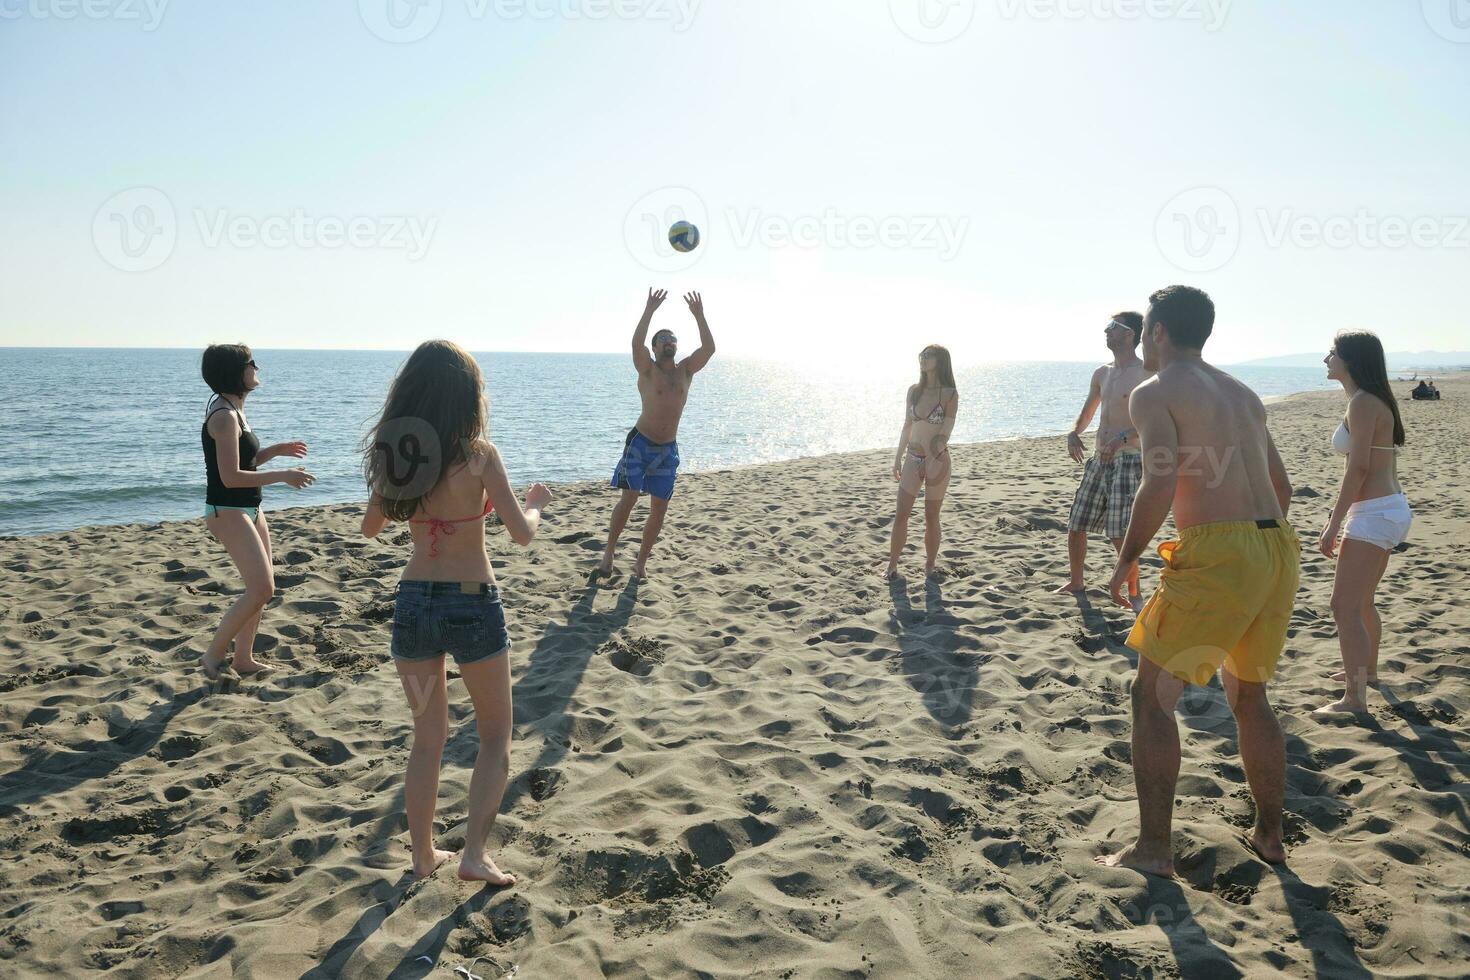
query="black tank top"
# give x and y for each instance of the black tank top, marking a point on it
(216, 492)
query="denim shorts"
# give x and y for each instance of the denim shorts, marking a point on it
(431, 619)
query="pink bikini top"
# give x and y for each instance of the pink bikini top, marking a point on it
(448, 527)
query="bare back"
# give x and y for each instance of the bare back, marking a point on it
(460, 547)
(1382, 477)
(1223, 454)
(664, 390)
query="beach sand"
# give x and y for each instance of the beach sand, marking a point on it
(760, 763)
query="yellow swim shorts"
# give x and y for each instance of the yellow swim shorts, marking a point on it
(1225, 597)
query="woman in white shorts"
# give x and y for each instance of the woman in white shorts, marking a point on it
(1372, 514)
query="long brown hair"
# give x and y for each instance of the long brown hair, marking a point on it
(1362, 352)
(945, 371)
(434, 419)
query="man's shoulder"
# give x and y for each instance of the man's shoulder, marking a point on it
(1151, 393)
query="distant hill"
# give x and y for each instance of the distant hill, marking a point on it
(1397, 361)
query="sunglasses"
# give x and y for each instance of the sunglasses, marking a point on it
(1115, 325)
(667, 339)
(251, 363)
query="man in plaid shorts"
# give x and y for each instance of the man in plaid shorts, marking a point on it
(1110, 479)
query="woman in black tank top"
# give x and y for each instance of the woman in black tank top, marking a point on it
(232, 453)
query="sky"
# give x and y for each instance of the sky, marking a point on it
(868, 176)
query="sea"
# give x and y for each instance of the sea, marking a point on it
(111, 436)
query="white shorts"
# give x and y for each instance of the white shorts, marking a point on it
(1382, 521)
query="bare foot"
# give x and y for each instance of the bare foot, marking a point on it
(891, 574)
(639, 572)
(484, 869)
(606, 566)
(424, 869)
(1341, 678)
(251, 666)
(1136, 601)
(1341, 707)
(1267, 848)
(931, 572)
(1129, 857)
(211, 666)
(1070, 588)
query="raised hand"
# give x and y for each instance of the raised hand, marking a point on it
(696, 305)
(656, 299)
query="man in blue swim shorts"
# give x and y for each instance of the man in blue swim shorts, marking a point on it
(650, 458)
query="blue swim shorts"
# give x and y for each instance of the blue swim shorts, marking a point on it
(647, 466)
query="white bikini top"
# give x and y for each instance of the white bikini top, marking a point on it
(1342, 441)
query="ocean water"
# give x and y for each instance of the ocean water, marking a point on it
(107, 436)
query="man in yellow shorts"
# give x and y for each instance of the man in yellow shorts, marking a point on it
(1226, 593)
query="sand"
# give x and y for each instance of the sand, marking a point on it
(760, 763)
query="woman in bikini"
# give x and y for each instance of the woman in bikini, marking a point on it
(428, 463)
(232, 455)
(1372, 515)
(922, 460)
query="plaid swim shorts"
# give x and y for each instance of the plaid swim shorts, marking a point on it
(1104, 500)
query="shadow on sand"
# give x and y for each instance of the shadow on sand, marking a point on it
(928, 642)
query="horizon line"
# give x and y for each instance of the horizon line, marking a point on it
(391, 350)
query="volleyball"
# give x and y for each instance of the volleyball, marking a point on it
(684, 237)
